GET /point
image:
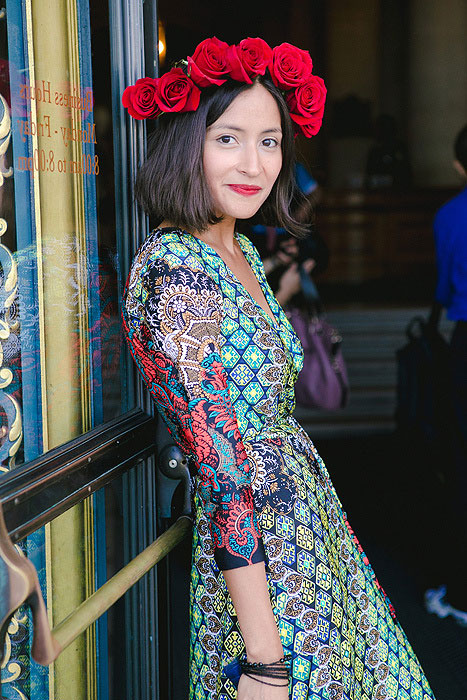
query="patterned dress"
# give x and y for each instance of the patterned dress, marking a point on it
(222, 376)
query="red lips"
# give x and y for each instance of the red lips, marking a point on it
(246, 190)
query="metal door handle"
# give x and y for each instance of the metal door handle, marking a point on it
(19, 585)
(173, 465)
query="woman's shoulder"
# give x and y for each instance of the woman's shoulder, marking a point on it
(171, 245)
(167, 272)
(167, 257)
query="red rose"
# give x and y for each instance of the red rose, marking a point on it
(290, 66)
(176, 92)
(209, 64)
(140, 99)
(312, 127)
(248, 59)
(306, 105)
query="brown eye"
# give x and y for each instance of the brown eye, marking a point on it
(226, 139)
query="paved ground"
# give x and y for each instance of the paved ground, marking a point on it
(441, 645)
(393, 497)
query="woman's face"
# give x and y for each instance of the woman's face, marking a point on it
(242, 154)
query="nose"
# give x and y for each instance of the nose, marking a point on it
(250, 161)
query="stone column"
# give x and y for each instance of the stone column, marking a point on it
(353, 67)
(437, 87)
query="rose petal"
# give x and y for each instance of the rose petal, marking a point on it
(193, 99)
(248, 59)
(176, 92)
(289, 66)
(309, 97)
(237, 71)
(209, 64)
(306, 105)
(139, 99)
(312, 126)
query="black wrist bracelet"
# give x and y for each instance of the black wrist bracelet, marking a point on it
(285, 659)
(275, 669)
(274, 685)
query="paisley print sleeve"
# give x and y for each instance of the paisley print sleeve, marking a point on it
(176, 345)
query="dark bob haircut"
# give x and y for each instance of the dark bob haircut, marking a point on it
(171, 184)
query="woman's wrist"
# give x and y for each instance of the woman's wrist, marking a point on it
(276, 673)
(248, 589)
(265, 654)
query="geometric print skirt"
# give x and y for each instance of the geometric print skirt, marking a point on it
(334, 618)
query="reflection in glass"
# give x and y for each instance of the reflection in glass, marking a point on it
(60, 342)
(59, 288)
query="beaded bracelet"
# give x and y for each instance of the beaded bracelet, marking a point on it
(275, 669)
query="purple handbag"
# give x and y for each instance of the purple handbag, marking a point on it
(323, 381)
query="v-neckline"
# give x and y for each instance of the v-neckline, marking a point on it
(272, 319)
(281, 325)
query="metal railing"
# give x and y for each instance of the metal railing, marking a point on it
(74, 471)
(108, 594)
(20, 585)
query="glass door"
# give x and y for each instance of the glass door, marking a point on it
(67, 229)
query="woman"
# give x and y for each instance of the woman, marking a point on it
(277, 571)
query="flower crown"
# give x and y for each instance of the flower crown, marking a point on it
(214, 61)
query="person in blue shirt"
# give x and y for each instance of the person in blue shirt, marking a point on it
(450, 231)
(450, 234)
